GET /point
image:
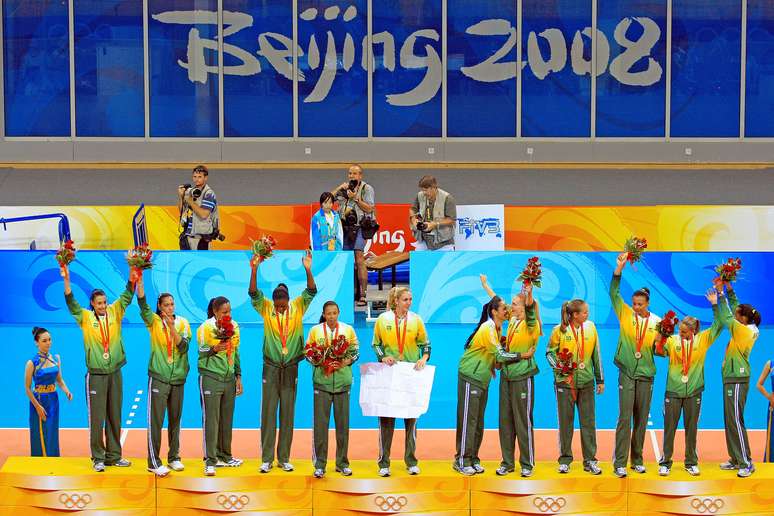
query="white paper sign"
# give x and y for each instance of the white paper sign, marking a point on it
(480, 227)
(395, 391)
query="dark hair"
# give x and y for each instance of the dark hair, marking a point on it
(427, 182)
(642, 292)
(326, 305)
(326, 196)
(486, 311)
(161, 298)
(202, 169)
(568, 309)
(753, 315)
(215, 304)
(37, 331)
(95, 293)
(280, 293)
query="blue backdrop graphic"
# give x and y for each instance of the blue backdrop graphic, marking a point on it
(408, 65)
(677, 280)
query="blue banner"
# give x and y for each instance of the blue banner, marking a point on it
(631, 57)
(109, 84)
(759, 108)
(34, 286)
(257, 70)
(183, 52)
(706, 67)
(408, 71)
(36, 62)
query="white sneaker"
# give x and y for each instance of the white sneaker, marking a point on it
(286, 466)
(413, 470)
(663, 471)
(593, 468)
(639, 468)
(502, 471)
(347, 472)
(563, 468)
(266, 467)
(176, 465)
(525, 472)
(620, 472)
(692, 470)
(479, 468)
(465, 470)
(384, 472)
(233, 462)
(728, 466)
(209, 471)
(745, 472)
(319, 473)
(161, 471)
(99, 466)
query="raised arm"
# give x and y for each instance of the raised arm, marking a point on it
(485, 285)
(615, 285)
(307, 263)
(72, 304)
(145, 311)
(717, 323)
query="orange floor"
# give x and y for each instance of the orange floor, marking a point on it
(431, 444)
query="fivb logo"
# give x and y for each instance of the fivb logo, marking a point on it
(277, 49)
(469, 227)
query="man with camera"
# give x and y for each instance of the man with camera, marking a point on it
(356, 208)
(433, 217)
(198, 212)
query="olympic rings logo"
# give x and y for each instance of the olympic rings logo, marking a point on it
(75, 500)
(707, 505)
(548, 503)
(390, 503)
(233, 502)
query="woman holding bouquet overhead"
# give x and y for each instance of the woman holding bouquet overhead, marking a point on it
(399, 336)
(742, 320)
(104, 347)
(686, 352)
(168, 367)
(517, 383)
(573, 353)
(220, 382)
(483, 349)
(332, 347)
(283, 349)
(636, 370)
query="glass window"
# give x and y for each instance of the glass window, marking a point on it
(759, 95)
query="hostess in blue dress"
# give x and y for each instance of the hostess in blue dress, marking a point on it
(769, 445)
(44, 435)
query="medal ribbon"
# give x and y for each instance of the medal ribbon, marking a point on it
(640, 335)
(104, 333)
(580, 344)
(401, 339)
(511, 333)
(283, 329)
(686, 365)
(167, 334)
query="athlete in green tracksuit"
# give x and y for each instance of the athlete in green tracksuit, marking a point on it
(220, 382)
(104, 347)
(483, 350)
(636, 370)
(283, 349)
(168, 368)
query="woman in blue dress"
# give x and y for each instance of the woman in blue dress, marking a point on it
(325, 231)
(768, 372)
(45, 370)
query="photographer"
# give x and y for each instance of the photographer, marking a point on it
(198, 212)
(356, 208)
(433, 217)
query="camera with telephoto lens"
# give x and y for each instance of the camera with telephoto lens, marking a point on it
(353, 184)
(195, 192)
(421, 225)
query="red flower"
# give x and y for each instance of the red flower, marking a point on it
(532, 273)
(634, 247)
(729, 270)
(666, 327)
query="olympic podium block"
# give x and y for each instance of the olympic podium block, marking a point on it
(51, 485)
(548, 492)
(241, 490)
(438, 490)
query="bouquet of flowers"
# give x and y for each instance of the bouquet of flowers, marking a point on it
(139, 259)
(728, 272)
(263, 248)
(331, 357)
(65, 255)
(634, 247)
(224, 330)
(532, 272)
(665, 328)
(565, 364)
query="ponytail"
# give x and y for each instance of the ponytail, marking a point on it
(753, 316)
(37, 331)
(486, 314)
(569, 308)
(394, 295)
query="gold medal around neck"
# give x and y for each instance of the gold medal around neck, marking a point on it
(684, 378)
(284, 351)
(637, 355)
(582, 365)
(106, 356)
